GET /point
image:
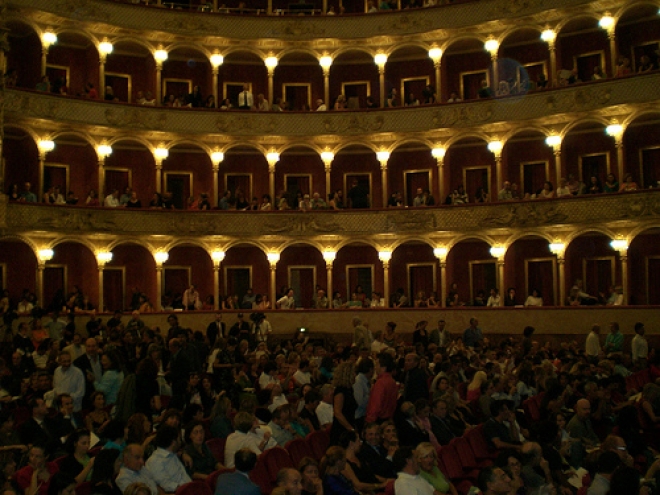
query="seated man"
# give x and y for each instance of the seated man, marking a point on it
(290, 479)
(246, 436)
(374, 456)
(607, 464)
(282, 430)
(325, 411)
(238, 482)
(133, 470)
(494, 481)
(164, 465)
(410, 433)
(408, 480)
(579, 428)
(500, 430)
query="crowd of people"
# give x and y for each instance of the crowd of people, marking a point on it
(132, 404)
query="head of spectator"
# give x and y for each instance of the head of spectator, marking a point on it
(607, 464)
(371, 434)
(385, 363)
(327, 393)
(37, 457)
(335, 460)
(244, 422)
(91, 348)
(426, 457)
(493, 481)
(133, 457)
(309, 471)
(64, 402)
(245, 460)
(39, 408)
(77, 443)
(137, 488)
(291, 480)
(405, 462)
(167, 438)
(626, 480)
(583, 409)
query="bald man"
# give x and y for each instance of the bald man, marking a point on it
(579, 428)
(291, 480)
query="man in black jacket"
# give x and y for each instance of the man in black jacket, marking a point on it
(90, 364)
(373, 456)
(414, 380)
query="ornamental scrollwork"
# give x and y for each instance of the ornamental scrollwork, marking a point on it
(36, 107)
(299, 28)
(135, 118)
(76, 221)
(515, 7)
(304, 224)
(462, 115)
(525, 215)
(189, 24)
(406, 23)
(411, 221)
(354, 123)
(244, 124)
(82, 9)
(579, 99)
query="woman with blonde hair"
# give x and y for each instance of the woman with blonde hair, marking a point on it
(137, 488)
(344, 404)
(427, 458)
(474, 388)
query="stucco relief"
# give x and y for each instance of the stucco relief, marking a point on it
(579, 99)
(136, 118)
(244, 124)
(299, 28)
(68, 221)
(404, 24)
(303, 224)
(462, 115)
(354, 123)
(83, 9)
(525, 215)
(641, 207)
(36, 107)
(411, 221)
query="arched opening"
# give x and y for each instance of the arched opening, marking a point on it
(187, 174)
(465, 65)
(188, 265)
(354, 167)
(70, 167)
(24, 54)
(244, 168)
(130, 71)
(354, 75)
(21, 160)
(469, 163)
(530, 265)
(302, 268)
(588, 151)
(409, 71)
(184, 69)
(523, 58)
(644, 263)
(409, 169)
(245, 267)
(300, 172)
(415, 269)
(131, 165)
(357, 265)
(528, 162)
(72, 270)
(18, 265)
(131, 271)
(582, 46)
(641, 145)
(471, 270)
(242, 67)
(298, 80)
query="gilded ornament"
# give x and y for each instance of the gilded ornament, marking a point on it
(353, 123)
(185, 23)
(244, 124)
(83, 9)
(136, 118)
(524, 215)
(462, 115)
(75, 221)
(299, 28)
(305, 224)
(411, 221)
(514, 7)
(406, 23)
(579, 99)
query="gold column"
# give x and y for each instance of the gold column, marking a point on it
(385, 256)
(496, 76)
(552, 77)
(500, 275)
(159, 288)
(44, 56)
(561, 263)
(613, 52)
(40, 282)
(383, 174)
(101, 75)
(624, 275)
(270, 7)
(328, 190)
(101, 194)
(215, 72)
(326, 86)
(619, 156)
(330, 289)
(438, 94)
(439, 155)
(557, 153)
(159, 90)
(216, 198)
(159, 170)
(273, 287)
(381, 79)
(443, 283)
(271, 182)
(216, 286)
(271, 73)
(500, 179)
(100, 304)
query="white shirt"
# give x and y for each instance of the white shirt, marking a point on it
(286, 302)
(245, 99)
(111, 201)
(412, 485)
(534, 301)
(592, 345)
(302, 377)
(325, 413)
(640, 347)
(265, 379)
(250, 440)
(494, 301)
(322, 108)
(70, 381)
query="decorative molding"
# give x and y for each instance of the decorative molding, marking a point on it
(135, 118)
(405, 24)
(353, 123)
(579, 99)
(525, 215)
(463, 115)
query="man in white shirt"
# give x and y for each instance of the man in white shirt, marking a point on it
(320, 106)
(287, 301)
(164, 465)
(262, 103)
(112, 200)
(70, 380)
(325, 411)
(640, 347)
(408, 480)
(133, 470)
(245, 98)
(303, 376)
(592, 345)
(75, 349)
(246, 436)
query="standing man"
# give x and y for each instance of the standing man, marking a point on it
(358, 196)
(592, 345)
(614, 340)
(245, 98)
(215, 329)
(640, 347)
(440, 336)
(362, 390)
(361, 335)
(473, 334)
(382, 400)
(91, 362)
(414, 379)
(135, 325)
(286, 301)
(70, 380)
(261, 328)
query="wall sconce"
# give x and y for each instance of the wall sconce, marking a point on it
(435, 54)
(554, 141)
(48, 38)
(217, 157)
(492, 45)
(161, 257)
(620, 245)
(607, 22)
(498, 252)
(327, 157)
(549, 36)
(161, 153)
(105, 48)
(273, 258)
(441, 253)
(325, 62)
(382, 156)
(217, 257)
(557, 248)
(104, 151)
(217, 60)
(385, 256)
(160, 55)
(380, 59)
(271, 62)
(329, 256)
(614, 130)
(45, 254)
(103, 257)
(46, 145)
(495, 147)
(439, 153)
(272, 158)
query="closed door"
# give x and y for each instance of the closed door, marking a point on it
(113, 289)
(598, 275)
(303, 284)
(533, 177)
(361, 275)
(54, 279)
(176, 280)
(540, 276)
(483, 277)
(237, 282)
(422, 279)
(179, 186)
(414, 181)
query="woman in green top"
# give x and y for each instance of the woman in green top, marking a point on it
(427, 458)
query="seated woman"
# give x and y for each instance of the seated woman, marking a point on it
(427, 458)
(334, 481)
(534, 299)
(511, 463)
(611, 184)
(97, 419)
(628, 184)
(77, 463)
(221, 425)
(474, 387)
(547, 192)
(361, 477)
(106, 467)
(203, 462)
(594, 186)
(311, 481)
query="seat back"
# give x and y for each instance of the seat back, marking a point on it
(318, 442)
(275, 459)
(260, 477)
(298, 448)
(217, 447)
(194, 488)
(465, 455)
(453, 468)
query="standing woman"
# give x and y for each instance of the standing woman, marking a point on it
(344, 403)
(112, 377)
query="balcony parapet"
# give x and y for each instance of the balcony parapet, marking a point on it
(497, 219)
(132, 18)
(549, 106)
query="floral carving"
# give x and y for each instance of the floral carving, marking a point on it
(462, 115)
(135, 118)
(49, 108)
(406, 23)
(189, 24)
(411, 221)
(75, 221)
(525, 215)
(299, 28)
(304, 224)
(579, 99)
(354, 123)
(245, 124)
(515, 6)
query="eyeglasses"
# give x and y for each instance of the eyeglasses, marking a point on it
(621, 448)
